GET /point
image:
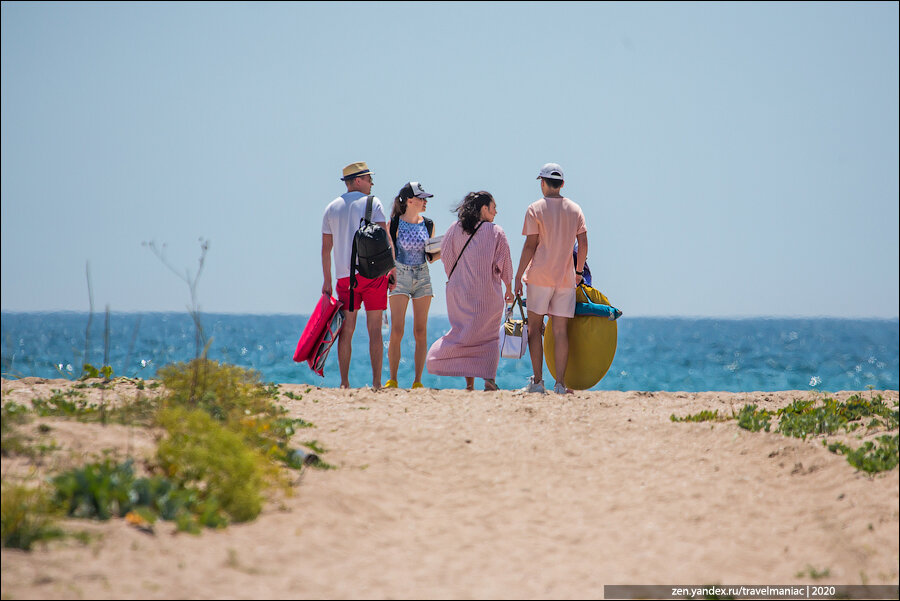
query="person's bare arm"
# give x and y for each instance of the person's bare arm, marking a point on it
(531, 244)
(581, 257)
(327, 244)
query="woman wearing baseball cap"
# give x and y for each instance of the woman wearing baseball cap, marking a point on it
(410, 232)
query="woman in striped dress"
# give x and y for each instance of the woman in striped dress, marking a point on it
(476, 258)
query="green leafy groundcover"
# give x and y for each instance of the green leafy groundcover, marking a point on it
(107, 489)
(812, 417)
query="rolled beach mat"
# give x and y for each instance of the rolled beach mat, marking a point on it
(433, 245)
(592, 343)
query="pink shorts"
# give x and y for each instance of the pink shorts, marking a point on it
(371, 292)
(545, 300)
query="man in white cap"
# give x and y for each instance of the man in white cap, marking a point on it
(552, 225)
(339, 224)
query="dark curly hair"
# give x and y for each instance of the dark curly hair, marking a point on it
(469, 210)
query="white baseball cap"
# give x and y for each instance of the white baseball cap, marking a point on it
(551, 170)
(414, 189)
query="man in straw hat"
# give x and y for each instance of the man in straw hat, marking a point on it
(339, 224)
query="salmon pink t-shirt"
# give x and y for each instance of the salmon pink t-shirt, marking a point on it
(556, 221)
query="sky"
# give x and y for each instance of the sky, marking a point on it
(731, 159)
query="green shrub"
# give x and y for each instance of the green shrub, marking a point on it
(226, 392)
(235, 397)
(27, 517)
(201, 454)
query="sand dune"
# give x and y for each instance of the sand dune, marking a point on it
(443, 493)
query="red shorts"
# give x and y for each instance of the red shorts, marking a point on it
(371, 292)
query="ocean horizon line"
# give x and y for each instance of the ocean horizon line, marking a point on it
(652, 353)
(444, 315)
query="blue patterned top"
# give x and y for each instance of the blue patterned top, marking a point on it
(411, 239)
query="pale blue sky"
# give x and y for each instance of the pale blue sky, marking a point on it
(732, 159)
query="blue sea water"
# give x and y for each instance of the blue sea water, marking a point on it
(675, 354)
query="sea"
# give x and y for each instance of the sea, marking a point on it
(653, 353)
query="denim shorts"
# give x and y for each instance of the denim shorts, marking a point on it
(413, 280)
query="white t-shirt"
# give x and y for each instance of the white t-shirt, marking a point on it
(341, 220)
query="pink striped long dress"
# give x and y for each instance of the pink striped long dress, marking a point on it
(475, 303)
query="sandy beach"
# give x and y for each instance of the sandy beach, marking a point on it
(449, 494)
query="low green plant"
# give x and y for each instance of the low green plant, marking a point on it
(804, 418)
(13, 414)
(879, 455)
(319, 450)
(140, 411)
(96, 490)
(27, 517)
(12, 441)
(90, 372)
(858, 407)
(801, 420)
(703, 416)
(71, 403)
(314, 446)
(753, 419)
(813, 573)
(108, 489)
(74, 404)
(15, 442)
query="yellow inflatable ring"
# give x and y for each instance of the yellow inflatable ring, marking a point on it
(592, 344)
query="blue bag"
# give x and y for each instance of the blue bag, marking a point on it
(591, 308)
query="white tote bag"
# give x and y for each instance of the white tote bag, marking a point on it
(514, 333)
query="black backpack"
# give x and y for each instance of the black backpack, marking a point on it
(372, 255)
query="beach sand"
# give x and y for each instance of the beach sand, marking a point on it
(449, 494)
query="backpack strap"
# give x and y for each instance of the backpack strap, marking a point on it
(463, 249)
(352, 274)
(369, 207)
(353, 282)
(395, 223)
